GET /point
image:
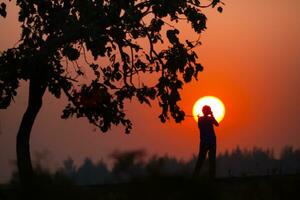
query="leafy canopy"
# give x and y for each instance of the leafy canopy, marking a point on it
(96, 52)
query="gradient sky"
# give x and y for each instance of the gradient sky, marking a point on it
(251, 57)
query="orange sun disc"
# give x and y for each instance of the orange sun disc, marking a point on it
(215, 104)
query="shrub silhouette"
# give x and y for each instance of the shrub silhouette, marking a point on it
(132, 165)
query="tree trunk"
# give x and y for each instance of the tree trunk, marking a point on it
(36, 92)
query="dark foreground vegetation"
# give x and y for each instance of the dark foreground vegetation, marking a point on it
(241, 174)
(264, 187)
(131, 165)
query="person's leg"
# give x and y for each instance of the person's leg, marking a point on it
(212, 160)
(201, 157)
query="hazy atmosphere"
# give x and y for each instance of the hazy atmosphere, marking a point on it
(250, 54)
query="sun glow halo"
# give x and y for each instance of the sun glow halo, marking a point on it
(216, 105)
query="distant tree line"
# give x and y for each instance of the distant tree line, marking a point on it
(132, 165)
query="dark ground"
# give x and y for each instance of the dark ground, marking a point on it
(252, 188)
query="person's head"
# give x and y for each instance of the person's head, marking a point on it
(206, 110)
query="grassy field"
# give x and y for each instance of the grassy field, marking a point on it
(252, 188)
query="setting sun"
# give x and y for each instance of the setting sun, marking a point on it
(216, 105)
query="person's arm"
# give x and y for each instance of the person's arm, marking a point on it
(214, 121)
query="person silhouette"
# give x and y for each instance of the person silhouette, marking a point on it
(208, 143)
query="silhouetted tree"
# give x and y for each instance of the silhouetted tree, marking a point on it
(3, 12)
(128, 164)
(161, 166)
(69, 167)
(124, 38)
(290, 160)
(90, 174)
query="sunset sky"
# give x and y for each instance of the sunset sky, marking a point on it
(251, 59)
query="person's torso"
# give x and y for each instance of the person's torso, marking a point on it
(207, 133)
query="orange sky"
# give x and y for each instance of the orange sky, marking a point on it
(251, 57)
